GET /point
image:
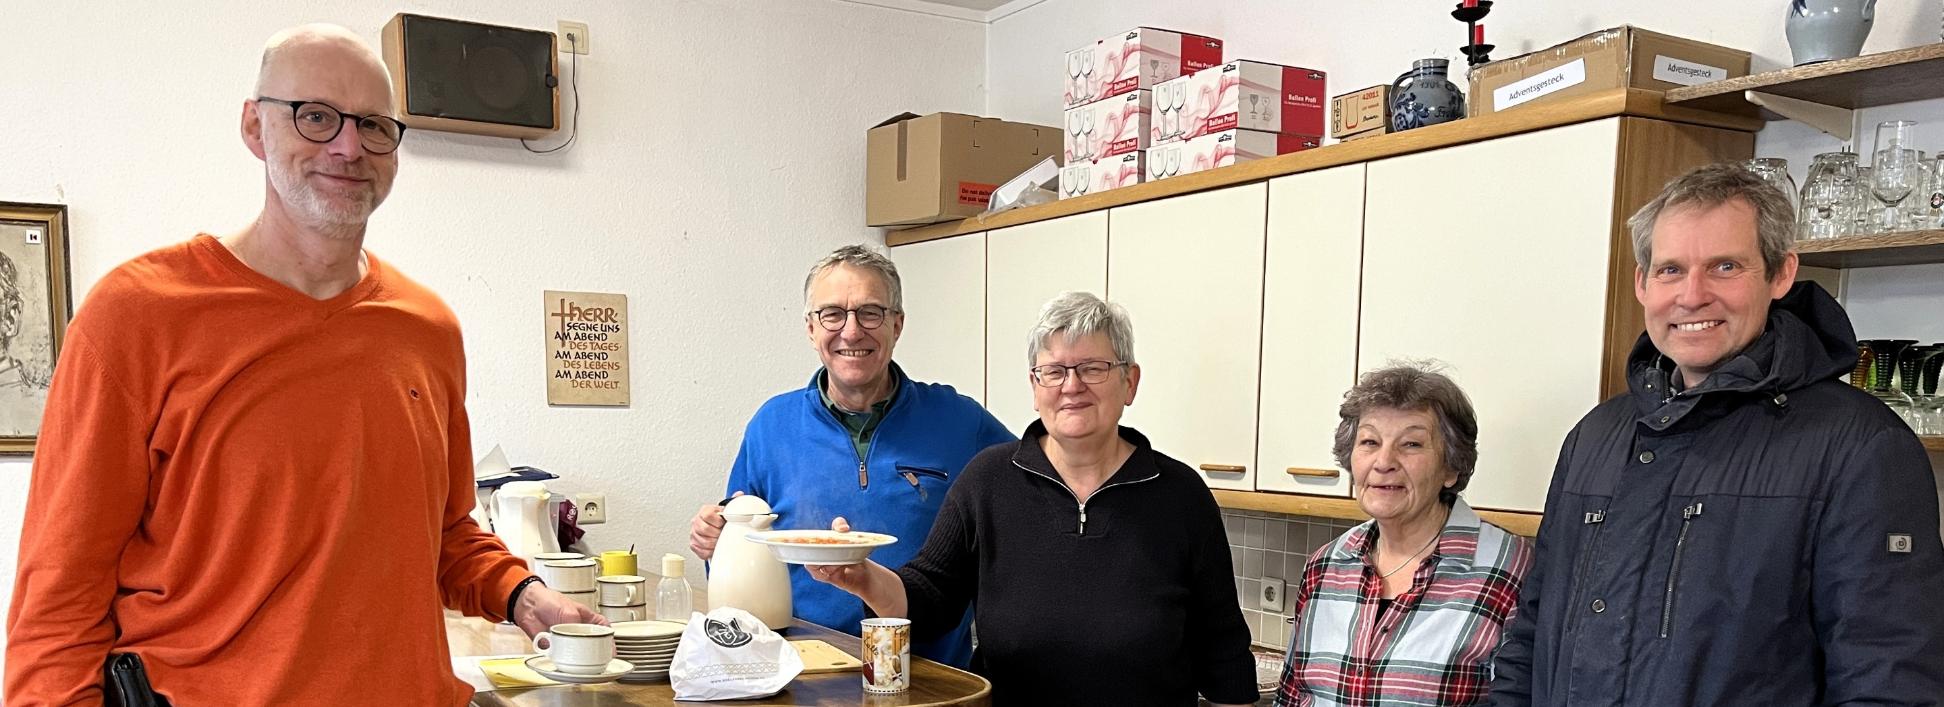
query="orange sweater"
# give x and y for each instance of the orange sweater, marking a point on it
(263, 495)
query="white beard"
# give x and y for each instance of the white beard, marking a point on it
(318, 211)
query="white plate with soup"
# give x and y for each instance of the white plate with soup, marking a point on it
(820, 547)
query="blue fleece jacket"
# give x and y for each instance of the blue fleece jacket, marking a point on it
(798, 457)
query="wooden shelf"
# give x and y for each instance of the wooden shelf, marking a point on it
(1871, 251)
(1871, 80)
(1539, 116)
(1866, 81)
(1933, 443)
(1297, 504)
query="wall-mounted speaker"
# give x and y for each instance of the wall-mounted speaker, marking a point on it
(467, 77)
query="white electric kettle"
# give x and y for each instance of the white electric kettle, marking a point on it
(522, 519)
(747, 575)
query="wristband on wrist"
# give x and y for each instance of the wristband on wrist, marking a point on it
(513, 599)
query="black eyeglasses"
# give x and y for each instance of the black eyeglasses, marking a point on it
(319, 122)
(869, 316)
(1054, 375)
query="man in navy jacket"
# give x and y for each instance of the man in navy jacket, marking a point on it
(862, 441)
(1740, 527)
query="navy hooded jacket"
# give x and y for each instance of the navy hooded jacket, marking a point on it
(1769, 537)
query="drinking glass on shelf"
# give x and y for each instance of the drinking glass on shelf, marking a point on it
(1863, 206)
(1827, 205)
(1929, 209)
(1896, 134)
(1775, 171)
(1897, 172)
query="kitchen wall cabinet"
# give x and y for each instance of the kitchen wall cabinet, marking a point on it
(1496, 245)
(1188, 270)
(1026, 266)
(944, 300)
(1312, 274)
(1506, 289)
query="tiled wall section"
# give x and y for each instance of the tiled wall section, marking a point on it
(1274, 546)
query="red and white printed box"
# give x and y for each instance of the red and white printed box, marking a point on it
(1101, 129)
(1221, 150)
(1175, 115)
(1247, 95)
(1083, 77)
(1083, 178)
(1138, 59)
(1253, 95)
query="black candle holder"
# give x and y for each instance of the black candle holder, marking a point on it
(1475, 54)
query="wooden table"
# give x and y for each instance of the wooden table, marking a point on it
(931, 683)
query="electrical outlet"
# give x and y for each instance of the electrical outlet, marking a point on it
(573, 37)
(593, 508)
(1271, 598)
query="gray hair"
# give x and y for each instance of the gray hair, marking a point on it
(1079, 314)
(863, 258)
(1711, 186)
(1413, 385)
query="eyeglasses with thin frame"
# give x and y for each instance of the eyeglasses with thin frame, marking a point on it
(319, 122)
(869, 316)
(1054, 375)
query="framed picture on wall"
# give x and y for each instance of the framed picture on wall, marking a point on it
(35, 304)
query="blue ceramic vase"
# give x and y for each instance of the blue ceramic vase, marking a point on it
(1424, 96)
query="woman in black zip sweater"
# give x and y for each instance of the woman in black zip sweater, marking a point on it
(1097, 568)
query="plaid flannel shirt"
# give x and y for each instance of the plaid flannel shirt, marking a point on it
(1435, 644)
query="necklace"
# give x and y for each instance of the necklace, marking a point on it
(1407, 561)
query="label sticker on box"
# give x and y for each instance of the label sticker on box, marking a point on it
(1686, 73)
(33, 236)
(975, 194)
(1566, 76)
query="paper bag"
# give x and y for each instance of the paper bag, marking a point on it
(730, 655)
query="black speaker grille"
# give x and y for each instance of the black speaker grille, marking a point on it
(470, 71)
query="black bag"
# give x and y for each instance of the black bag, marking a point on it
(127, 684)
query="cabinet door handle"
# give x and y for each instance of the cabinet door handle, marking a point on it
(1224, 468)
(1315, 473)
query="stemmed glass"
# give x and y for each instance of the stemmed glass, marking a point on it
(1074, 87)
(1180, 102)
(1898, 171)
(1086, 80)
(1087, 131)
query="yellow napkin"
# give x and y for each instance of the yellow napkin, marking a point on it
(512, 672)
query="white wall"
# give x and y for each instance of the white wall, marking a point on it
(720, 154)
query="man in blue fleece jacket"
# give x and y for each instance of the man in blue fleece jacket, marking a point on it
(862, 440)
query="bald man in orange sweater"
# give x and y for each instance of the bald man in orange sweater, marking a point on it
(268, 433)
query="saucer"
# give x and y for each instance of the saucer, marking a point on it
(545, 667)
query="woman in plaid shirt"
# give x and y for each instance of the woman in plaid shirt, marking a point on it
(1406, 608)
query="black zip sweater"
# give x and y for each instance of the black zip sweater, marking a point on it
(1127, 599)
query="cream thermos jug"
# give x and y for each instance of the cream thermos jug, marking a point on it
(744, 574)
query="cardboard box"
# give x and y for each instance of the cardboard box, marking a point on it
(1085, 178)
(1222, 149)
(1249, 95)
(1624, 56)
(1136, 60)
(1252, 95)
(1364, 113)
(1105, 128)
(944, 166)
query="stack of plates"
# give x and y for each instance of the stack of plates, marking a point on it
(649, 645)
